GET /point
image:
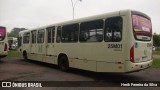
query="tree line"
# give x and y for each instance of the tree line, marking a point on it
(156, 40)
(15, 31)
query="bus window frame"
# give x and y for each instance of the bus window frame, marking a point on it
(112, 37)
(89, 30)
(59, 34)
(24, 37)
(51, 37)
(35, 36)
(39, 41)
(76, 33)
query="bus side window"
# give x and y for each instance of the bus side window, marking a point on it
(113, 29)
(26, 38)
(70, 33)
(34, 34)
(51, 34)
(58, 38)
(19, 41)
(91, 31)
(40, 36)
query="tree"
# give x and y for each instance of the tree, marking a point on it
(15, 31)
(156, 39)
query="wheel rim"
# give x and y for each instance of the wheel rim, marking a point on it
(63, 64)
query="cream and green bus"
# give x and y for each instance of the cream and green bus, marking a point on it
(3, 42)
(119, 41)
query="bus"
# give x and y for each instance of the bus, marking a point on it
(3, 42)
(13, 43)
(119, 41)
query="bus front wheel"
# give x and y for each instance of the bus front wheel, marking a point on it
(63, 63)
(25, 55)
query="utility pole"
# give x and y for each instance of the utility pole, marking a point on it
(73, 5)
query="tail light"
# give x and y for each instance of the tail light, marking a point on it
(5, 47)
(132, 54)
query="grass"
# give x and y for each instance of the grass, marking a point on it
(156, 63)
(156, 52)
(157, 48)
(13, 54)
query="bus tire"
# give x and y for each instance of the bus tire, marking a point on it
(63, 63)
(25, 57)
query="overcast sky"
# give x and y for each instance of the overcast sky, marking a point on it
(35, 13)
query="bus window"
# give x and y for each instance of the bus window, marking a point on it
(58, 38)
(113, 29)
(51, 34)
(19, 41)
(142, 28)
(49, 31)
(26, 37)
(34, 34)
(2, 33)
(70, 33)
(91, 31)
(40, 36)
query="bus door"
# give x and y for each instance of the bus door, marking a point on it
(33, 47)
(40, 44)
(50, 33)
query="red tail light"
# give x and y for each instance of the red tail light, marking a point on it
(5, 47)
(132, 54)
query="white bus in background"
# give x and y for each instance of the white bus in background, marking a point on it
(112, 42)
(13, 43)
(3, 42)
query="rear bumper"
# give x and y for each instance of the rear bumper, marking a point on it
(131, 67)
(2, 56)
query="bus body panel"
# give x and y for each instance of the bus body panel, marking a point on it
(89, 56)
(143, 51)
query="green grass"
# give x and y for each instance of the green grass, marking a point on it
(157, 48)
(156, 52)
(13, 54)
(156, 63)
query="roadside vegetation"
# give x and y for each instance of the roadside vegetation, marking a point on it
(157, 51)
(156, 61)
(13, 53)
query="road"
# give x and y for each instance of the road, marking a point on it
(15, 69)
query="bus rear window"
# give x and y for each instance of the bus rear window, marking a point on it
(142, 28)
(2, 33)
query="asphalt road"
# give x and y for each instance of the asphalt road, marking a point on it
(15, 69)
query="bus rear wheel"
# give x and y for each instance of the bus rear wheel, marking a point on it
(25, 56)
(63, 63)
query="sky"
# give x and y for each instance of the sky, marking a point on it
(36, 13)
